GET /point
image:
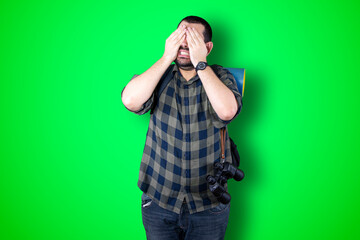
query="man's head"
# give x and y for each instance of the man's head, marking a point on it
(207, 32)
(183, 59)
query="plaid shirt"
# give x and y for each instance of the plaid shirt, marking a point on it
(183, 142)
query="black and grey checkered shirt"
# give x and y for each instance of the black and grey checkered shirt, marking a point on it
(183, 142)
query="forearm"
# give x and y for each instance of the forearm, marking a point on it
(220, 96)
(140, 89)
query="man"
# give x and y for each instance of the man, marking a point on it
(183, 139)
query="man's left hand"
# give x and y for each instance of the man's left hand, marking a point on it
(197, 46)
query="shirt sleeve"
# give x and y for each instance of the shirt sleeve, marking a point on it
(146, 106)
(228, 79)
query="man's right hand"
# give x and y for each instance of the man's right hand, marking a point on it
(173, 43)
(141, 88)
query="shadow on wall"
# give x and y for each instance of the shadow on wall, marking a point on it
(221, 53)
(241, 131)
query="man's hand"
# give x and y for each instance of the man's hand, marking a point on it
(197, 46)
(173, 43)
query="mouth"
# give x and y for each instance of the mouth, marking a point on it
(183, 53)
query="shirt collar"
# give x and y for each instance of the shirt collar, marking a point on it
(181, 79)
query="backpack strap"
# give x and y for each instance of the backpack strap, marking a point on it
(164, 81)
(235, 157)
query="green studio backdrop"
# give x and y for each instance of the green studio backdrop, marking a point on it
(70, 151)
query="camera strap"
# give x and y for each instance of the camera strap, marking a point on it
(222, 143)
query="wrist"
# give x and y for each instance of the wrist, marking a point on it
(200, 66)
(197, 62)
(167, 60)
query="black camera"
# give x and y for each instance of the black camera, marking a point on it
(223, 172)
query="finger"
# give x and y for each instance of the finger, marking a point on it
(188, 37)
(182, 25)
(197, 35)
(177, 32)
(191, 36)
(181, 40)
(174, 34)
(179, 36)
(190, 41)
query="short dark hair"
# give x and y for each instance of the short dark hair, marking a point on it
(194, 19)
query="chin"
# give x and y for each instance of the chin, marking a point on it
(187, 66)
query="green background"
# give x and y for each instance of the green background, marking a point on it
(70, 151)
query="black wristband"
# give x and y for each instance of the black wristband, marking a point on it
(201, 66)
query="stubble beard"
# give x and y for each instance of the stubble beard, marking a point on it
(184, 64)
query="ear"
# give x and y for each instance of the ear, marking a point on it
(209, 46)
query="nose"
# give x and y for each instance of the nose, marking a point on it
(184, 44)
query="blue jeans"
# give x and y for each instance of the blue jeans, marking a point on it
(162, 224)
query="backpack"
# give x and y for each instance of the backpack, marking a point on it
(239, 75)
